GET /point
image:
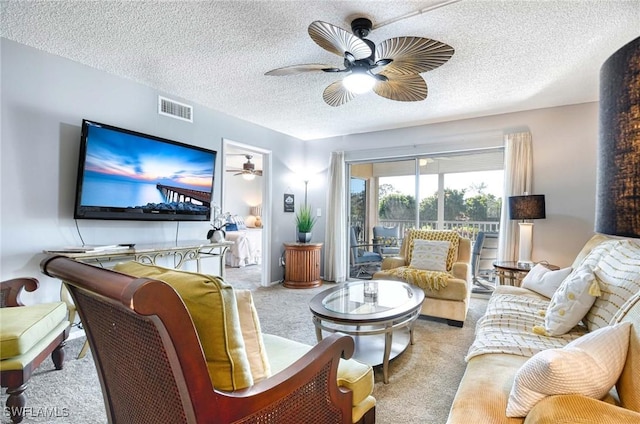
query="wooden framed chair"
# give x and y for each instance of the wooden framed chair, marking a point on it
(152, 368)
(28, 335)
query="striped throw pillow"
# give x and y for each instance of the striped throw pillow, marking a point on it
(618, 274)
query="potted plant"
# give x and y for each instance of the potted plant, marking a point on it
(304, 223)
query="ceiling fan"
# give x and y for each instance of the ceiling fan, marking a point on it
(399, 61)
(248, 170)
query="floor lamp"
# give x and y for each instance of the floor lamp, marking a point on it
(618, 182)
(526, 207)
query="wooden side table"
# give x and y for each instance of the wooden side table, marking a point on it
(302, 265)
(511, 272)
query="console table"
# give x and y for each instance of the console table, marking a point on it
(302, 265)
(149, 253)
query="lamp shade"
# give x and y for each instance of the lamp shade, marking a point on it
(618, 181)
(255, 210)
(527, 207)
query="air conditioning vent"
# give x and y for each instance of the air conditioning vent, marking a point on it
(168, 107)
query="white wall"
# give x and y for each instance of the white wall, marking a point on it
(564, 156)
(44, 99)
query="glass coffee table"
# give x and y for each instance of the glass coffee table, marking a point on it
(378, 314)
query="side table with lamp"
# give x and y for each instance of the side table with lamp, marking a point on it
(524, 208)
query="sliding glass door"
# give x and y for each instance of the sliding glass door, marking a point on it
(457, 190)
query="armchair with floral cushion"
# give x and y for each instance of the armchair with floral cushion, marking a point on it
(439, 262)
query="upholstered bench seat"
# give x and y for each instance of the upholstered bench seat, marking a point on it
(352, 375)
(24, 327)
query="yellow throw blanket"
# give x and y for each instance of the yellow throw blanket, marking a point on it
(426, 280)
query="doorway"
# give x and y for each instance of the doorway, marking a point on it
(245, 199)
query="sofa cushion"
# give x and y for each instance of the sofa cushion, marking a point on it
(543, 280)
(214, 311)
(589, 366)
(430, 255)
(618, 274)
(252, 336)
(484, 390)
(352, 374)
(570, 303)
(24, 326)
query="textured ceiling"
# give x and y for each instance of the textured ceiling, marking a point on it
(510, 55)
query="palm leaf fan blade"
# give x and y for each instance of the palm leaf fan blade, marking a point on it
(299, 69)
(338, 41)
(413, 55)
(404, 88)
(335, 94)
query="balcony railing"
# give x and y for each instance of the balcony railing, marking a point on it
(467, 229)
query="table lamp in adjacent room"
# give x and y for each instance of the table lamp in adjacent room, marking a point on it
(526, 207)
(256, 211)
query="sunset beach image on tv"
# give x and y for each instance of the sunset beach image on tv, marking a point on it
(128, 175)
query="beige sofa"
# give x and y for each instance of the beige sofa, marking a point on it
(483, 393)
(451, 300)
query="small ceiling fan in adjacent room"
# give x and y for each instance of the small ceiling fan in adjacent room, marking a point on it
(248, 171)
(391, 69)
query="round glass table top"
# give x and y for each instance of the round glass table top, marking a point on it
(370, 297)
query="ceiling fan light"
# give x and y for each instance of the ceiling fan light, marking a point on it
(248, 177)
(358, 83)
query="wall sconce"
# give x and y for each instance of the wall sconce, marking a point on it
(306, 185)
(526, 207)
(618, 181)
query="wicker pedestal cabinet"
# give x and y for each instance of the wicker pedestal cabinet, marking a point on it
(302, 265)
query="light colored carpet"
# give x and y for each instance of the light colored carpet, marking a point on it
(423, 380)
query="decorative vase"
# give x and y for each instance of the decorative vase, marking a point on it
(217, 237)
(304, 237)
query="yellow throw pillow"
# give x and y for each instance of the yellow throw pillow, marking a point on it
(252, 335)
(214, 311)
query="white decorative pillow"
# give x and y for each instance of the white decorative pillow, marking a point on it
(589, 366)
(544, 281)
(569, 304)
(430, 255)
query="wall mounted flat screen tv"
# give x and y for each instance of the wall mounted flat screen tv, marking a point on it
(127, 175)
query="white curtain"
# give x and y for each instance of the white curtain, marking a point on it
(335, 245)
(518, 163)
